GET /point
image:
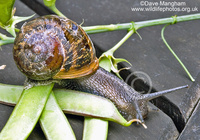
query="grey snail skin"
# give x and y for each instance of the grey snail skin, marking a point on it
(130, 103)
(56, 48)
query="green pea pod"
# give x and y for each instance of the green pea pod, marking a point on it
(26, 113)
(75, 102)
(10, 94)
(54, 123)
(85, 104)
(95, 129)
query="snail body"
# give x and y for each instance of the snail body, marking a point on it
(130, 103)
(52, 47)
(106, 84)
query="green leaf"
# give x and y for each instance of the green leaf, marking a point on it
(105, 63)
(109, 62)
(6, 9)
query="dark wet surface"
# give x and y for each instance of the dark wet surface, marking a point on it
(149, 56)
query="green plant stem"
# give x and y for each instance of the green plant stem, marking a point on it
(139, 25)
(169, 20)
(106, 28)
(26, 113)
(8, 40)
(113, 49)
(4, 42)
(108, 61)
(127, 26)
(54, 9)
(5, 38)
(186, 70)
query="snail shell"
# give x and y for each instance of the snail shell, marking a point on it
(54, 47)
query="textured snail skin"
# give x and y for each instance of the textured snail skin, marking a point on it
(107, 85)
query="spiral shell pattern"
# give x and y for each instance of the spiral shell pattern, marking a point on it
(54, 47)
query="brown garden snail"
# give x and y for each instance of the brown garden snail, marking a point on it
(53, 47)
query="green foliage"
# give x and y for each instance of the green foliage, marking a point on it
(6, 40)
(15, 19)
(109, 62)
(7, 18)
(49, 3)
(6, 11)
(107, 59)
